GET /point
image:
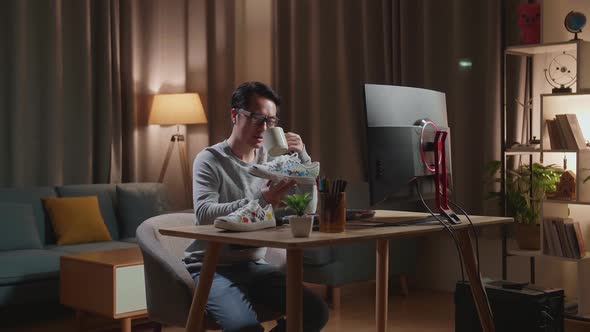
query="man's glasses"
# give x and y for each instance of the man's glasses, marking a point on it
(258, 119)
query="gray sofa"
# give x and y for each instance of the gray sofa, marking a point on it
(29, 255)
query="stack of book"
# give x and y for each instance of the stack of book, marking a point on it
(563, 237)
(565, 133)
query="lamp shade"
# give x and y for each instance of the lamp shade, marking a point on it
(177, 108)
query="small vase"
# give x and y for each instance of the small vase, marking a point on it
(528, 236)
(301, 225)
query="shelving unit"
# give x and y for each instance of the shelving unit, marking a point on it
(546, 105)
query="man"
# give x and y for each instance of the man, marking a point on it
(222, 186)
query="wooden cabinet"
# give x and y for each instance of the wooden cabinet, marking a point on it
(107, 283)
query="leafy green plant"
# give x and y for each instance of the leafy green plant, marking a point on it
(298, 202)
(523, 203)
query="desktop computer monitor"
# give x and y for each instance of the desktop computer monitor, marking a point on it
(394, 138)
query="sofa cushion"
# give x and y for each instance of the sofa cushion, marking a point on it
(91, 247)
(28, 265)
(76, 219)
(32, 196)
(19, 229)
(138, 202)
(106, 201)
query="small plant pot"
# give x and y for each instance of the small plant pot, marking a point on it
(301, 226)
(528, 236)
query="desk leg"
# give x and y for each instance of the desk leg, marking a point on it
(382, 275)
(477, 289)
(294, 290)
(197, 312)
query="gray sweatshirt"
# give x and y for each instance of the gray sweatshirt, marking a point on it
(221, 185)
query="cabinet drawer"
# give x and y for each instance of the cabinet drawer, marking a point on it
(129, 289)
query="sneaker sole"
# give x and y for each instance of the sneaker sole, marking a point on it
(276, 177)
(243, 227)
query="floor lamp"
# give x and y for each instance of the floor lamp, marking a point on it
(178, 109)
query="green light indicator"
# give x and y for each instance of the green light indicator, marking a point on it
(465, 63)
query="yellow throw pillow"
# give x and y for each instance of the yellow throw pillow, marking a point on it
(76, 219)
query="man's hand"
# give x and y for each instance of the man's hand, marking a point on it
(273, 194)
(294, 142)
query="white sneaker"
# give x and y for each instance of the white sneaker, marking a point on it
(249, 217)
(287, 166)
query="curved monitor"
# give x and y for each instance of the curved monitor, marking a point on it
(390, 105)
(394, 143)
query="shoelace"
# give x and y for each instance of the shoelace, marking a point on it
(285, 159)
(244, 209)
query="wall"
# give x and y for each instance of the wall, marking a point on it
(553, 14)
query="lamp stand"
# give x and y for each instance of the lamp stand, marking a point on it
(186, 177)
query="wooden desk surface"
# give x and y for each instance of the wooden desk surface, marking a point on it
(281, 237)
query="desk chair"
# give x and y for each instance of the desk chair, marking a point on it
(169, 286)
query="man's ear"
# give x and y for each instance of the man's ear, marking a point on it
(234, 114)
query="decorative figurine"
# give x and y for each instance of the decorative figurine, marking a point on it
(561, 73)
(529, 21)
(566, 187)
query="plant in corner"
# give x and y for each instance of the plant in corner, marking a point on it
(524, 193)
(301, 224)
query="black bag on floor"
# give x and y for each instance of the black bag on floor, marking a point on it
(529, 309)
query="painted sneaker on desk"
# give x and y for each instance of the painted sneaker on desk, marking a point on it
(250, 217)
(287, 166)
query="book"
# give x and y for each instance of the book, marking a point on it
(557, 243)
(574, 125)
(549, 233)
(572, 240)
(561, 134)
(570, 141)
(563, 242)
(554, 135)
(580, 237)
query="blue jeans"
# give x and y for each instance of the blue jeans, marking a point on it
(237, 287)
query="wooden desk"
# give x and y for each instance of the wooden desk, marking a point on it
(281, 237)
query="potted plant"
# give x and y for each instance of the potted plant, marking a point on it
(523, 203)
(301, 224)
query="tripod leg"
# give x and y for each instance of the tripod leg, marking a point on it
(185, 171)
(167, 159)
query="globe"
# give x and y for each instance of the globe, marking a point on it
(575, 21)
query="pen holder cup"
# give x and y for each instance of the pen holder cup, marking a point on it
(332, 212)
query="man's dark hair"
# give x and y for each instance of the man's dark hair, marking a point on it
(241, 96)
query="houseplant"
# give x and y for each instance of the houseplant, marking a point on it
(524, 193)
(301, 224)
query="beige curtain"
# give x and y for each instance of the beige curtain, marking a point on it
(77, 78)
(58, 81)
(326, 50)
